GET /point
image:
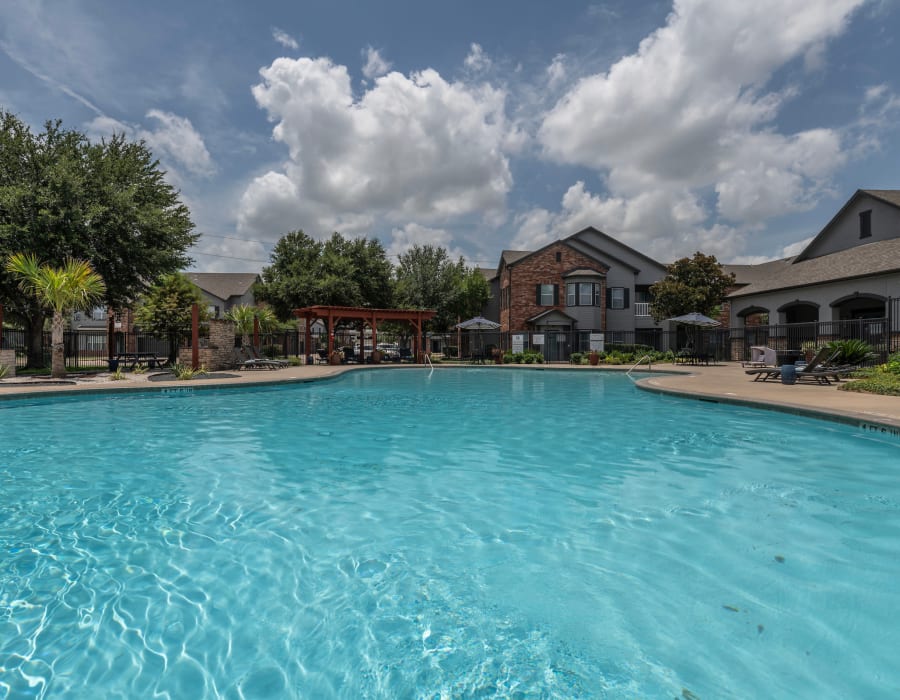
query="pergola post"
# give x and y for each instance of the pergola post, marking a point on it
(307, 345)
(195, 336)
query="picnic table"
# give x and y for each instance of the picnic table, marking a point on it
(133, 359)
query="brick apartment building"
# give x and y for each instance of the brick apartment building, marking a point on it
(586, 282)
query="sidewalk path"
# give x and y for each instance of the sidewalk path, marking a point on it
(729, 383)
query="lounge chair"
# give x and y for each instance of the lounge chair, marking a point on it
(247, 362)
(256, 355)
(813, 370)
(825, 372)
(760, 356)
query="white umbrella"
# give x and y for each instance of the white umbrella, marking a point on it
(479, 323)
(697, 320)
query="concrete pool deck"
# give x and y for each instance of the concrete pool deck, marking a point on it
(725, 383)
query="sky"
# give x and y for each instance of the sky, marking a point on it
(734, 128)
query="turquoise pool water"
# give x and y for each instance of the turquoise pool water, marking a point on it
(466, 533)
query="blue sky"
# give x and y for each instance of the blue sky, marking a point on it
(731, 127)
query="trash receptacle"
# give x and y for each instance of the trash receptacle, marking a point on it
(788, 374)
(113, 365)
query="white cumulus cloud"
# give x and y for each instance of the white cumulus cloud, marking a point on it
(405, 237)
(285, 39)
(477, 60)
(410, 148)
(173, 140)
(375, 65)
(689, 112)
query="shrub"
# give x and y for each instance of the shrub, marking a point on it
(532, 356)
(892, 365)
(117, 375)
(884, 383)
(186, 372)
(850, 352)
(575, 358)
(4, 370)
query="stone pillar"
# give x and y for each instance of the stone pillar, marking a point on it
(8, 360)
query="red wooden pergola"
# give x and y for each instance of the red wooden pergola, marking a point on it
(333, 315)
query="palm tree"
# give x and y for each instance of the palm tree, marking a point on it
(73, 286)
(243, 316)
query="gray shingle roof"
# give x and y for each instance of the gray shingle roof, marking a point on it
(889, 196)
(223, 284)
(511, 256)
(880, 257)
(749, 274)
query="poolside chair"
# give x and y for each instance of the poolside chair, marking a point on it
(813, 369)
(760, 356)
(248, 362)
(256, 355)
(825, 372)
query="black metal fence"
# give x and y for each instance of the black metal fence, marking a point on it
(88, 349)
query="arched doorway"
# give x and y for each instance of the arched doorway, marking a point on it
(859, 306)
(800, 312)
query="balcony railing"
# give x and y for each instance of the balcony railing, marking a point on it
(642, 308)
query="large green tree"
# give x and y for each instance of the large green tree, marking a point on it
(337, 272)
(427, 278)
(691, 284)
(166, 310)
(107, 203)
(73, 286)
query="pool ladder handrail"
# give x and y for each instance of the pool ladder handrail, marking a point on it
(649, 365)
(428, 362)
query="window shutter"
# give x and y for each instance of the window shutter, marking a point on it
(609, 297)
(625, 298)
(555, 295)
(537, 294)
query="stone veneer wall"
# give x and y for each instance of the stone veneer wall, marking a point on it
(219, 351)
(543, 268)
(8, 360)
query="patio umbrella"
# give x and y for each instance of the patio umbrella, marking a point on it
(696, 320)
(479, 323)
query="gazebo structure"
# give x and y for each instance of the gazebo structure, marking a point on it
(333, 315)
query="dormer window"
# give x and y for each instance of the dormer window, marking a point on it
(865, 224)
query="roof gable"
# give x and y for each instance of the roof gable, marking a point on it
(614, 244)
(836, 234)
(223, 285)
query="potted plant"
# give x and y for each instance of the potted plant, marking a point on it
(498, 356)
(594, 358)
(809, 349)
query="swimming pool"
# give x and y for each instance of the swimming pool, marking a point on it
(462, 533)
